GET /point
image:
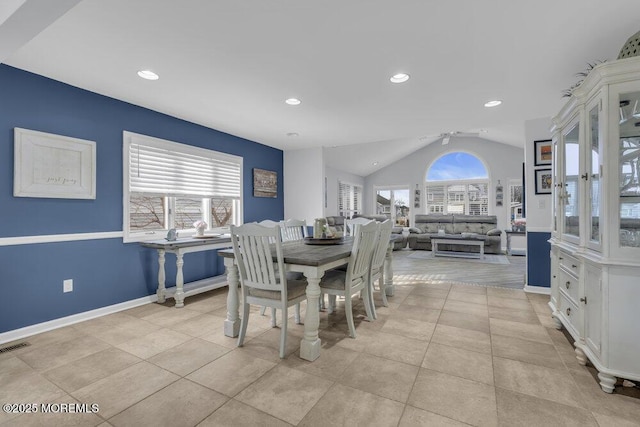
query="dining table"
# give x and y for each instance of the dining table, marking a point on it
(312, 261)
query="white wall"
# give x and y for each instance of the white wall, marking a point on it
(503, 162)
(304, 184)
(333, 176)
(538, 205)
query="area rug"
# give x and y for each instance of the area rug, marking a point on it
(488, 258)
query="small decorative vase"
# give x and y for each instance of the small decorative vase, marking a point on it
(200, 231)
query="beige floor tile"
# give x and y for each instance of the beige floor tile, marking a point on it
(340, 338)
(471, 289)
(519, 409)
(398, 348)
(520, 304)
(419, 417)
(527, 351)
(231, 373)
(525, 331)
(464, 320)
(146, 310)
(189, 356)
(459, 362)
(546, 320)
(442, 285)
(82, 372)
(430, 292)
(331, 365)
(468, 297)
(200, 325)
(207, 301)
(27, 386)
(383, 377)
(116, 334)
(347, 406)
(507, 293)
(125, 388)
(613, 421)
(425, 301)
(285, 393)
(182, 403)
(406, 311)
(171, 317)
(454, 397)
(12, 368)
(514, 315)
(267, 345)
(466, 307)
(153, 343)
(409, 328)
(62, 352)
(237, 414)
(462, 338)
(539, 381)
(540, 307)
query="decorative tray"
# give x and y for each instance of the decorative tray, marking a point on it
(324, 240)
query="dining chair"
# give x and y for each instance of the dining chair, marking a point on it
(263, 281)
(376, 271)
(350, 224)
(293, 229)
(355, 279)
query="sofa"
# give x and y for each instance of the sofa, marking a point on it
(337, 223)
(484, 227)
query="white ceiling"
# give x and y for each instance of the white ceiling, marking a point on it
(230, 65)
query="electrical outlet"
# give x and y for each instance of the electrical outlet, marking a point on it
(67, 285)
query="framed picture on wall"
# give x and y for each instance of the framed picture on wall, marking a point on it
(543, 152)
(544, 181)
(265, 183)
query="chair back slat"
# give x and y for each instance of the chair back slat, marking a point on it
(252, 248)
(293, 229)
(363, 247)
(382, 244)
(350, 225)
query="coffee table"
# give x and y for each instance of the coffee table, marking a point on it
(457, 239)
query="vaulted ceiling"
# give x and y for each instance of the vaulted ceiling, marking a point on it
(230, 65)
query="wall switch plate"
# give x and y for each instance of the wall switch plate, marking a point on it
(542, 204)
(67, 285)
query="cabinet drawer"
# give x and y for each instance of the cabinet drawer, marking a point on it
(568, 283)
(569, 263)
(570, 313)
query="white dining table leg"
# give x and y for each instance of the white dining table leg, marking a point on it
(179, 295)
(161, 292)
(232, 323)
(388, 271)
(310, 344)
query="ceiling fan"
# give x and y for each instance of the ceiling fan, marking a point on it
(446, 137)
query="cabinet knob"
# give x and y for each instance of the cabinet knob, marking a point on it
(569, 311)
(567, 284)
(584, 300)
(585, 176)
(560, 257)
(574, 266)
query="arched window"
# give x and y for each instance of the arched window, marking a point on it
(457, 183)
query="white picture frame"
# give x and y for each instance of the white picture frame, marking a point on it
(53, 166)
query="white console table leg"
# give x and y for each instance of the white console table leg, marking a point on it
(607, 382)
(232, 323)
(161, 292)
(179, 295)
(582, 358)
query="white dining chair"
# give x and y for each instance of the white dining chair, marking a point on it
(293, 229)
(263, 281)
(355, 279)
(376, 271)
(350, 224)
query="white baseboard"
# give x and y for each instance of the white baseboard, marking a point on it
(537, 289)
(189, 288)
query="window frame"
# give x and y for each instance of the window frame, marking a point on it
(169, 200)
(446, 184)
(353, 189)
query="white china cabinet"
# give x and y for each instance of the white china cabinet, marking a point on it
(595, 242)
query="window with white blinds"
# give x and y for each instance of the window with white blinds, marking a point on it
(172, 185)
(349, 199)
(470, 198)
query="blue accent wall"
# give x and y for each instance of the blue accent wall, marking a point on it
(105, 271)
(538, 260)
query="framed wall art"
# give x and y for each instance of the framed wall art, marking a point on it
(543, 152)
(544, 181)
(265, 183)
(53, 166)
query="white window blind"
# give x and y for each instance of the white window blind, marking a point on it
(349, 199)
(174, 169)
(458, 198)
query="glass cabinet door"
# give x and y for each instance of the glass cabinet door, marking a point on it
(571, 182)
(629, 169)
(593, 178)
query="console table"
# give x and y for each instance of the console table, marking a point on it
(179, 248)
(510, 233)
(454, 239)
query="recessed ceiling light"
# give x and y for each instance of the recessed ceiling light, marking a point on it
(493, 103)
(375, 163)
(293, 134)
(399, 78)
(293, 101)
(484, 131)
(148, 75)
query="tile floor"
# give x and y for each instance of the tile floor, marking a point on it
(441, 354)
